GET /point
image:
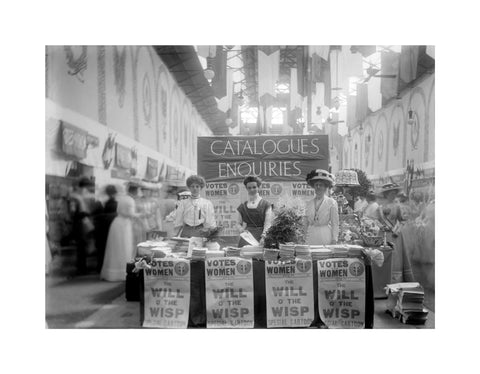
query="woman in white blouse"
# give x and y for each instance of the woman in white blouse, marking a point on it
(322, 212)
(195, 213)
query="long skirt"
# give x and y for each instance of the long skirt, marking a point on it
(120, 250)
(319, 235)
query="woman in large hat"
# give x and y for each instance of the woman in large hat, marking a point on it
(322, 212)
(390, 212)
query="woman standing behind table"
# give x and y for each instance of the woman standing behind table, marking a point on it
(121, 246)
(322, 212)
(196, 213)
(254, 215)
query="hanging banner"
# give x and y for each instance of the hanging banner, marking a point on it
(229, 292)
(289, 292)
(167, 293)
(341, 292)
(272, 158)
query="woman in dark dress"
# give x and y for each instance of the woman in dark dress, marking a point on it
(106, 218)
(255, 214)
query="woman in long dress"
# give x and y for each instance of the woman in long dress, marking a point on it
(391, 216)
(121, 247)
(322, 212)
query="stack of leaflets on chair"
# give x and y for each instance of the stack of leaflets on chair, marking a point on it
(405, 302)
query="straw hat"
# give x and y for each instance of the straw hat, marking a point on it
(390, 187)
(320, 174)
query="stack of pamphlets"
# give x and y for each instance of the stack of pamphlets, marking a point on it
(232, 251)
(320, 252)
(250, 251)
(302, 251)
(270, 254)
(287, 251)
(405, 302)
(179, 244)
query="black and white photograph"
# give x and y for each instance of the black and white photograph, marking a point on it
(241, 187)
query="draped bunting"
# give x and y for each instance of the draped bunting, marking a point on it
(374, 94)
(268, 73)
(320, 50)
(295, 98)
(225, 103)
(408, 63)
(301, 72)
(364, 50)
(351, 109)
(361, 105)
(430, 51)
(318, 104)
(389, 86)
(206, 50)
(219, 81)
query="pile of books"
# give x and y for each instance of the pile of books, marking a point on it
(302, 251)
(232, 251)
(179, 245)
(405, 302)
(320, 252)
(250, 251)
(287, 251)
(199, 253)
(270, 254)
(215, 253)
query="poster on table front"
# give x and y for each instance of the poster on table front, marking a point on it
(229, 292)
(341, 292)
(167, 293)
(289, 292)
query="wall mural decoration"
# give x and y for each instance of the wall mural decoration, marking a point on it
(396, 135)
(356, 152)
(163, 98)
(147, 99)
(415, 133)
(380, 145)
(119, 59)
(368, 144)
(76, 61)
(175, 125)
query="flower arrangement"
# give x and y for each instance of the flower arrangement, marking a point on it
(287, 226)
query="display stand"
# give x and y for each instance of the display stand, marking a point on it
(198, 314)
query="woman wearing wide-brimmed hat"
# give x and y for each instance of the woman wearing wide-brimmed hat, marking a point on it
(391, 216)
(322, 212)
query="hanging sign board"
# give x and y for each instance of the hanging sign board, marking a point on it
(272, 158)
(289, 292)
(123, 156)
(152, 169)
(167, 293)
(341, 292)
(229, 292)
(74, 141)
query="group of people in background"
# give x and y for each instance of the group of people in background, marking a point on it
(111, 228)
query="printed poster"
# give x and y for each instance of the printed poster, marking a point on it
(229, 292)
(289, 292)
(341, 292)
(167, 293)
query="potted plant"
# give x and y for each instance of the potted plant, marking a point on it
(287, 226)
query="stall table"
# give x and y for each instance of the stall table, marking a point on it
(198, 313)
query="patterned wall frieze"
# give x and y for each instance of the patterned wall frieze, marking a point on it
(102, 108)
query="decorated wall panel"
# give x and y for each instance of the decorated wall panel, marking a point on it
(73, 78)
(119, 89)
